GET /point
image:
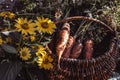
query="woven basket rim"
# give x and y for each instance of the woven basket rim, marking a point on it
(84, 18)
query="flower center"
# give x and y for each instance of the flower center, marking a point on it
(46, 61)
(25, 26)
(24, 54)
(7, 14)
(44, 24)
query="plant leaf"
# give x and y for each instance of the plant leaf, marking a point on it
(9, 70)
(8, 48)
(6, 32)
(44, 43)
(47, 38)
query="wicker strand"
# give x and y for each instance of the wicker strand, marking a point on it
(84, 18)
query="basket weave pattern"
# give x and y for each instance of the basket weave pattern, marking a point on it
(99, 68)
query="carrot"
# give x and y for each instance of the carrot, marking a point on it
(71, 42)
(77, 47)
(88, 49)
(76, 50)
(68, 48)
(62, 40)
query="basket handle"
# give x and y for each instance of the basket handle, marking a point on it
(84, 18)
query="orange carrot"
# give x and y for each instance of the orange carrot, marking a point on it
(88, 49)
(62, 40)
(76, 50)
(68, 48)
(71, 42)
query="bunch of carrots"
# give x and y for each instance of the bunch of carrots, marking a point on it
(68, 46)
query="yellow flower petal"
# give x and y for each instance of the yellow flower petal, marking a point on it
(40, 51)
(32, 38)
(45, 62)
(7, 14)
(1, 41)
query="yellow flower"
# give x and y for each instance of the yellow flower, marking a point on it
(7, 15)
(1, 41)
(25, 26)
(32, 38)
(25, 53)
(25, 37)
(41, 51)
(45, 62)
(45, 25)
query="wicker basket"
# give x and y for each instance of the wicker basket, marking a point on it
(98, 68)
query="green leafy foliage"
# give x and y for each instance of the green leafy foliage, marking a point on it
(9, 70)
(9, 49)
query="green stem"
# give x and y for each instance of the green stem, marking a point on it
(41, 37)
(31, 44)
(83, 32)
(30, 14)
(9, 25)
(19, 46)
